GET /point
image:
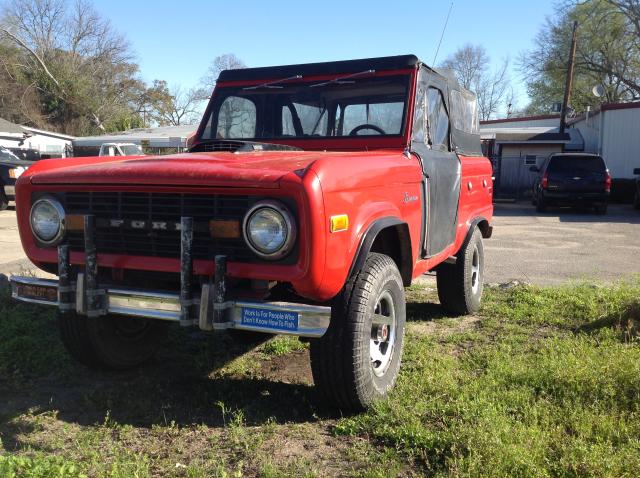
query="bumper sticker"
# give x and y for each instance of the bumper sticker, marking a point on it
(270, 319)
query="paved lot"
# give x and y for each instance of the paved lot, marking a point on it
(562, 245)
(12, 259)
(550, 248)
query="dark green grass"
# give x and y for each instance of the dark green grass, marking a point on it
(546, 383)
(555, 392)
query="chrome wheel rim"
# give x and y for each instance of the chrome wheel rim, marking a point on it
(475, 270)
(383, 333)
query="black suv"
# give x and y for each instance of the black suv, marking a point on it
(636, 198)
(572, 179)
(11, 167)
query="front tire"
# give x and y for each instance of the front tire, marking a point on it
(460, 285)
(111, 342)
(358, 360)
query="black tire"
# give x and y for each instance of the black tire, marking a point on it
(636, 200)
(541, 204)
(344, 369)
(4, 202)
(460, 285)
(111, 342)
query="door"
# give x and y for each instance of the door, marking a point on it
(441, 166)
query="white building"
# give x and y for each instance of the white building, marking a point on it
(613, 132)
(162, 140)
(47, 143)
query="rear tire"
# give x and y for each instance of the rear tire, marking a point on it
(4, 202)
(460, 285)
(358, 360)
(111, 342)
(541, 205)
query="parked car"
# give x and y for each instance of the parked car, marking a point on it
(121, 149)
(11, 168)
(312, 196)
(636, 197)
(572, 179)
(26, 154)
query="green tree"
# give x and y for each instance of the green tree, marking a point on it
(71, 70)
(608, 54)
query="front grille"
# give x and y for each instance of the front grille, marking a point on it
(159, 207)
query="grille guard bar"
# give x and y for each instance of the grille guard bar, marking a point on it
(210, 309)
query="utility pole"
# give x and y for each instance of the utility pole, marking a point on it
(569, 85)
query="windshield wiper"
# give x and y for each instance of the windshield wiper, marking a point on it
(272, 84)
(341, 79)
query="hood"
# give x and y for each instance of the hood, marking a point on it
(250, 169)
(15, 163)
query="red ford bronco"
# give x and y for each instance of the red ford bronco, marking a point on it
(312, 196)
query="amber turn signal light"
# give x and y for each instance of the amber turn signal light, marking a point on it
(74, 222)
(224, 229)
(339, 223)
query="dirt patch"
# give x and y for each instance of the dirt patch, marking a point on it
(445, 328)
(291, 368)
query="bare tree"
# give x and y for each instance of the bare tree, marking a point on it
(228, 61)
(469, 63)
(176, 106)
(80, 67)
(472, 67)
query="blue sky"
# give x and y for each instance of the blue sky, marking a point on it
(176, 41)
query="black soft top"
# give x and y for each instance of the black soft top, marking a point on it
(326, 68)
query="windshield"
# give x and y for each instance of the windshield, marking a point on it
(131, 149)
(6, 155)
(340, 108)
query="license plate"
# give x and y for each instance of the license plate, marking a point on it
(270, 319)
(37, 292)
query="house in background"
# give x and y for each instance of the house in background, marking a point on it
(162, 140)
(43, 144)
(516, 144)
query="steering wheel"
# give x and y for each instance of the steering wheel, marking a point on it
(355, 130)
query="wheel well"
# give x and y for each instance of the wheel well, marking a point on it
(395, 242)
(485, 228)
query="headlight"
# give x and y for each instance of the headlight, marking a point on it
(269, 230)
(47, 221)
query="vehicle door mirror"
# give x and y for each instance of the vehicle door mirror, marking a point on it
(636, 171)
(534, 169)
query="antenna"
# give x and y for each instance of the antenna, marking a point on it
(442, 36)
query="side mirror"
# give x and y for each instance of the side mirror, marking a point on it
(636, 171)
(534, 169)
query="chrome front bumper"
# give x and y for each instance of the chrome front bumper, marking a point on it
(271, 317)
(209, 306)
